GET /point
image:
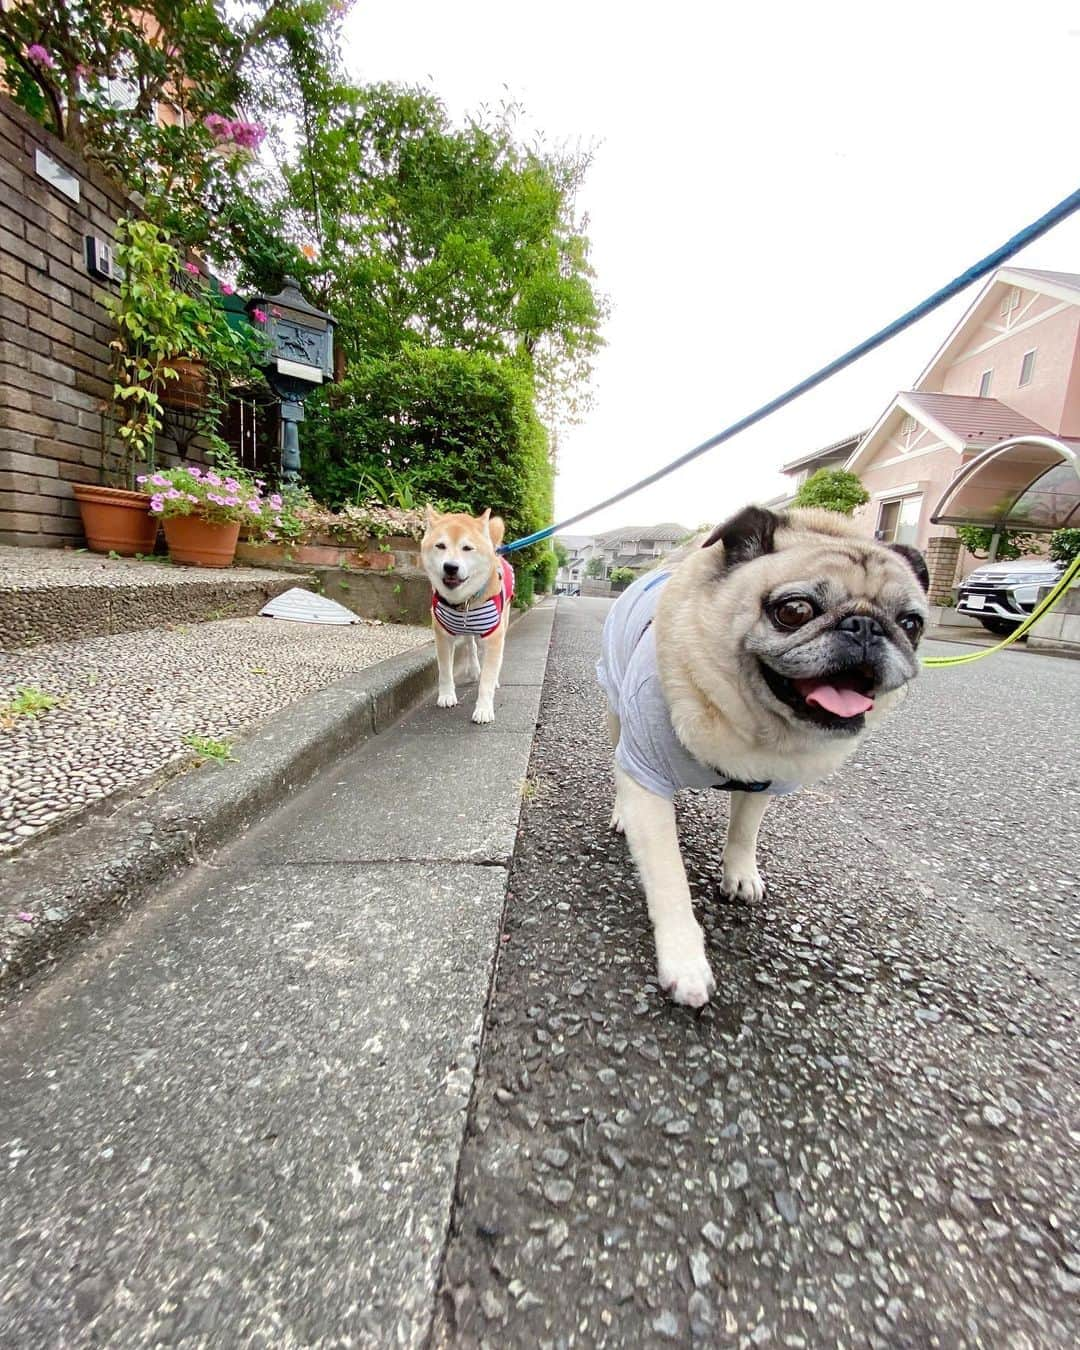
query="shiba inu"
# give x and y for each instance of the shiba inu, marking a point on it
(472, 587)
(755, 666)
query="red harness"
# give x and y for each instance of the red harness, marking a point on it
(475, 618)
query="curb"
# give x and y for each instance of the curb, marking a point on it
(106, 867)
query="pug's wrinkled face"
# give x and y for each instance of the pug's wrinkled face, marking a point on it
(832, 620)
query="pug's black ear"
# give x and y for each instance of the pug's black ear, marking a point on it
(915, 561)
(746, 535)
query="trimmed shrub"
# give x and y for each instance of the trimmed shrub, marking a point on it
(460, 427)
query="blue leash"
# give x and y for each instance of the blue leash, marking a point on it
(1053, 217)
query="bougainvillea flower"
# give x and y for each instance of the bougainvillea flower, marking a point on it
(226, 289)
(40, 56)
(259, 315)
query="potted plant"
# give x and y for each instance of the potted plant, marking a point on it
(202, 509)
(174, 346)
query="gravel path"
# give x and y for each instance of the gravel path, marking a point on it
(869, 1138)
(126, 703)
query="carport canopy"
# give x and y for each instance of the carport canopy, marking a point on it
(1028, 483)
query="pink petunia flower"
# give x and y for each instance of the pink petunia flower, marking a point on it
(40, 56)
(216, 498)
(213, 479)
(259, 315)
(194, 470)
(275, 500)
(231, 485)
(192, 269)
(159, 480)
(231, 501)
(254, 507)
(192, 498)
(142, 478)
(157, 505)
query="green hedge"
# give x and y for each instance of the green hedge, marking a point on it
(459, 427)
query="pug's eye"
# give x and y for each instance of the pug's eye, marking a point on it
(912, 625)
(792, 613)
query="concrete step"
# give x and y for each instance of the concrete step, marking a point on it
(58, 595)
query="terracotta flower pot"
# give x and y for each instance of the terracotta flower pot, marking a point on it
(189, 391)
(205, 543)
(116, 521)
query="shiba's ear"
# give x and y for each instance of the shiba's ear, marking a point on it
(430, 514)
(496, 530)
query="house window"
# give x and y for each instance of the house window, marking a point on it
(907, 426)
(984, 383)
(898, 520)
(1027, 368)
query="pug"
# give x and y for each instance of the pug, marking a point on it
(756, 666)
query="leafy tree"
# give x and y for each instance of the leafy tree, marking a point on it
(1012, 544)
(562, 555)
(1064, 545)
(172, 98)
(622, 576)
(443, 236)
(832, 490)
(594, 568)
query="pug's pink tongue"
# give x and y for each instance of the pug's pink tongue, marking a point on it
(840, 702)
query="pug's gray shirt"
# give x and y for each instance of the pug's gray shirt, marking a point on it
(648, 749)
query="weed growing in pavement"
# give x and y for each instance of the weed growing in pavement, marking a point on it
(208, 747)
(28, 702)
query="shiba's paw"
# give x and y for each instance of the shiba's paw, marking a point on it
(484, 712)
(741, 879)
(447, 700)
(683, 969)
(616, 822)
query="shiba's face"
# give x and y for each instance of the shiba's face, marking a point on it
(458, 553)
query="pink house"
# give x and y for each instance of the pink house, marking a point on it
(1010, 368)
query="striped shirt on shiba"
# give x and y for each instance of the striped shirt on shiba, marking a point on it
(479, 620)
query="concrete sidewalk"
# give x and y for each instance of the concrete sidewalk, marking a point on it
(237, 1119)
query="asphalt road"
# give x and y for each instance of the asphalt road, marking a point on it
(871, 1136)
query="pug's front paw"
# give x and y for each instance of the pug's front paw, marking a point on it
(741, 879)
(683, 969)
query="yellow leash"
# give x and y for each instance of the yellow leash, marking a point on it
(1032, 619)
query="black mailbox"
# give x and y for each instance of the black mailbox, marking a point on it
(300, 357)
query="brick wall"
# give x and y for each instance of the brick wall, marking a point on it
(54, 336)
(942, 554)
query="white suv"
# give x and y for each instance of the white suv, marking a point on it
(1001, 595)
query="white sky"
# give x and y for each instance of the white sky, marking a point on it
(772, 183)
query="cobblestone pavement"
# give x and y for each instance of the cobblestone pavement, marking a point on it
(126, 702)
(870, 1137)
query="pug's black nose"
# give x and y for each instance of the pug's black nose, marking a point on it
(451, 569)
(864, 628)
